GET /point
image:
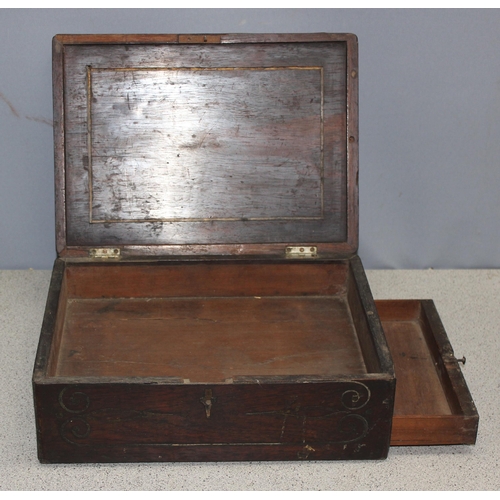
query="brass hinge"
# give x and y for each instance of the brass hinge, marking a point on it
(104, 253)
(305, 252)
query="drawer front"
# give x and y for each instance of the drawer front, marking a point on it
(193, 422)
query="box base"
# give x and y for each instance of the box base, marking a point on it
(170, 361)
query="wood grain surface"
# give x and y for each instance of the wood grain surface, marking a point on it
(266, 365)
(208, 321)
(242, 143)
(209, 339)
(433, 405)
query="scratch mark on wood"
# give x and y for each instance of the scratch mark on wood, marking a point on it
(283, 426)
(277, 359)
(204, 136)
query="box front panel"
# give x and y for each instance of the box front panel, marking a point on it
(188, 422)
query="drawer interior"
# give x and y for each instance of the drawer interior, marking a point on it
(432, 404)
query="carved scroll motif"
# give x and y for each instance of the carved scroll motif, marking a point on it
(349, 427)
(352, 425)
(356, 398)
(344, 425)
(75, 427)
(76, 402)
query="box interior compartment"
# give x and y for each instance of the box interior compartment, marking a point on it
(211, 321)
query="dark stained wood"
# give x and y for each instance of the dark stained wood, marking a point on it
(50, 320)
(196, 118)
(124, 39)
(59, 138)
(298, 340)
(433, 404)
(49, 326)
(365, 316)
(260, 251)
(352, 125)
(288, 37)
(60, 313)
(244, 145)
(268, 421)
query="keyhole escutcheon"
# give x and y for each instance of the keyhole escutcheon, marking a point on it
(208, 400)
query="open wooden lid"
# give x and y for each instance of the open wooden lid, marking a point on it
(206, 144)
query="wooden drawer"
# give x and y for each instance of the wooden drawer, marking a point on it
(433, 405)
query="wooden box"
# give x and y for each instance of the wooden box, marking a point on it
(207, 302)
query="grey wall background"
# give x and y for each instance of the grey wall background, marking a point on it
(429, 124)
